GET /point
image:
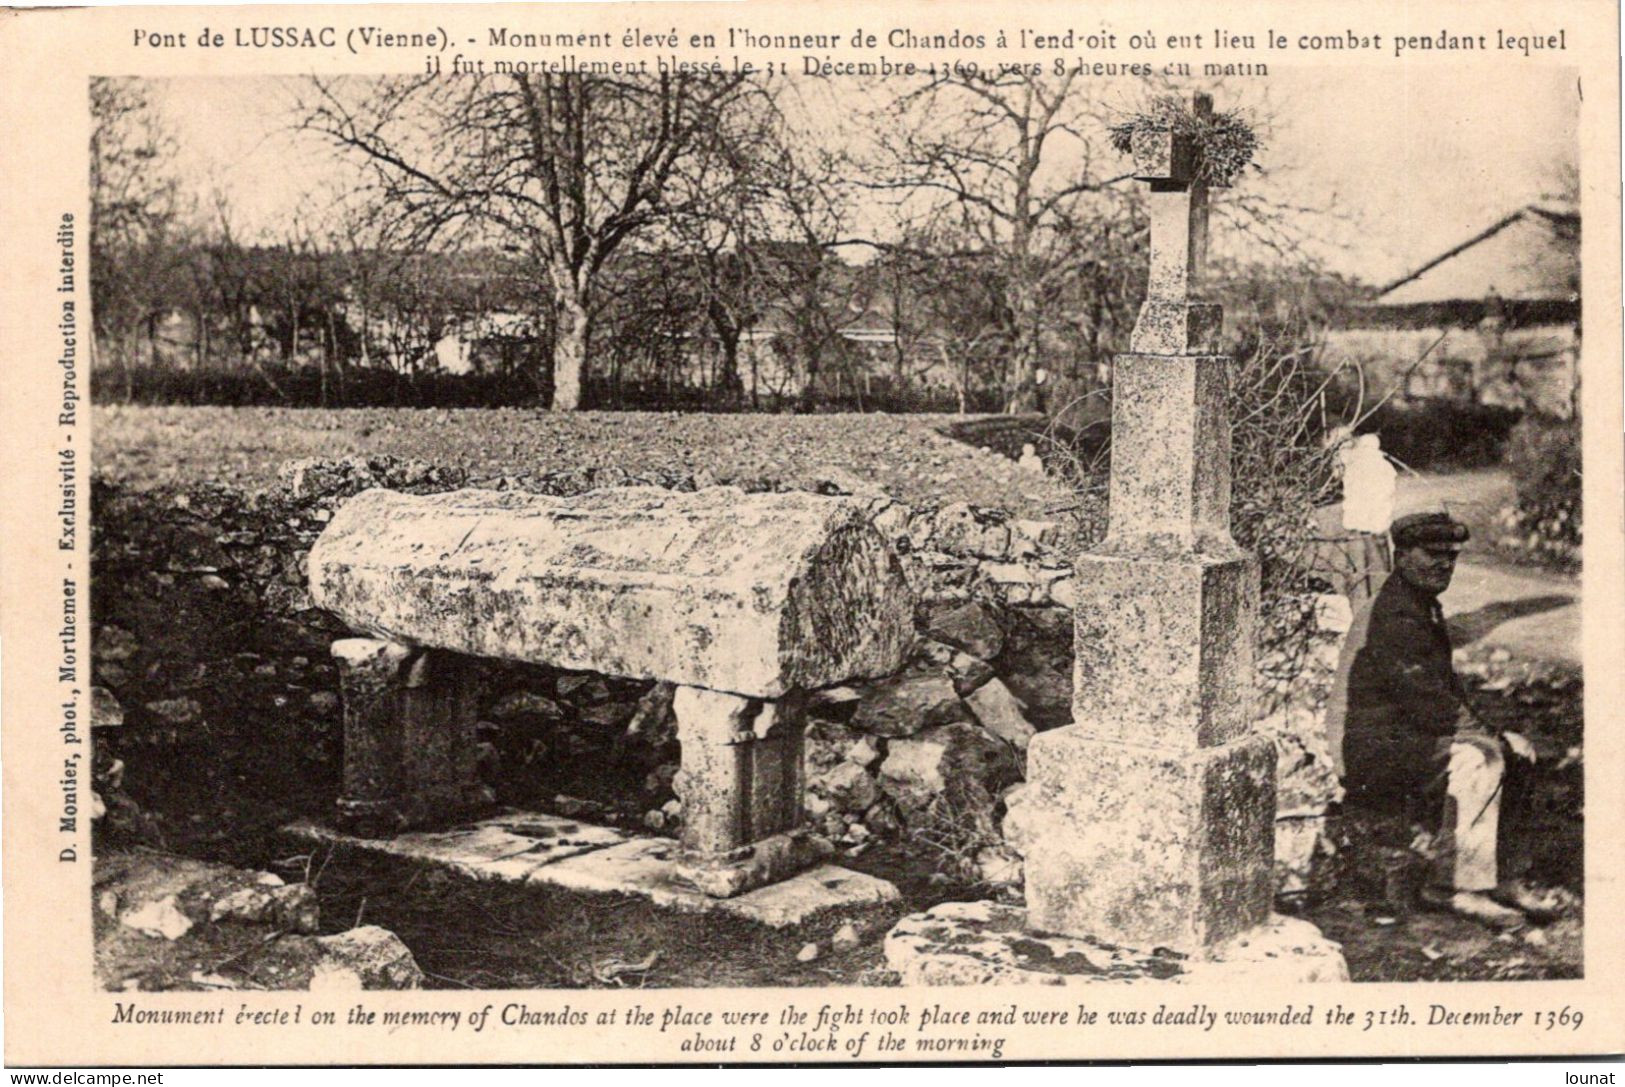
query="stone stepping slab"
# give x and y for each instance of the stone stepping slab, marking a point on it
(526, 847)
(986, 943)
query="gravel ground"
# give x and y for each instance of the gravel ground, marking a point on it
(907, 456)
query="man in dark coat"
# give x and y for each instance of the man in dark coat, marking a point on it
(1406, 737)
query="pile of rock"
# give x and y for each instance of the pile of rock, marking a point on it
(165, 922)
(1295, 675)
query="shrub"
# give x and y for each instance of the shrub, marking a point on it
(1281, 470)
(1442, 434)
(307, 387)
(1543, 456)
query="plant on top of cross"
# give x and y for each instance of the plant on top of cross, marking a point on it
(1224, 142)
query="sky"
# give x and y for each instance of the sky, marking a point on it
(1412, 159)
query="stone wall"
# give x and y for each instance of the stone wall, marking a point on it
(1530, 368)
(204, 629)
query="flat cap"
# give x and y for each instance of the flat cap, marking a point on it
(1437, 529)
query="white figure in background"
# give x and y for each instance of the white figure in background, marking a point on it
(1030, 461)
(1369, 483)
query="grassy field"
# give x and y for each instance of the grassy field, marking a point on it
(906, 456)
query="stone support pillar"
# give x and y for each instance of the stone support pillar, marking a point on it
(408, 736)
(741, 786)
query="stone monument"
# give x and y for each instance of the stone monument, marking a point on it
(1148, 822)
(1170, 792)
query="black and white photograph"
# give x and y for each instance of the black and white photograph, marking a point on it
(781, 508)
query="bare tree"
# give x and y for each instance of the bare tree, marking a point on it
(1012, 163)
(568, 168)
(136, 218)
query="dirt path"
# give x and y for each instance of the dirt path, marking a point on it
(1532, 615)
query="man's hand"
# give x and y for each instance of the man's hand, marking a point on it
(1519, 745)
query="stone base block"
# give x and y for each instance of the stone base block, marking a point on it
(765, 861)
(525, 847)
(1164, 648)
(1145, 847)
(983, 943)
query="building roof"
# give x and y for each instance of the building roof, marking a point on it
(1531, 255)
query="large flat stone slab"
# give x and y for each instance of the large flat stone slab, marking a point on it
(522, 847)
(984, 943)
(506, 847)
(754, 594)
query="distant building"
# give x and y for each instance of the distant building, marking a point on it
(1495, 320)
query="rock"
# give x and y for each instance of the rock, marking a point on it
(959, 763)
(1008, 574)
(655, 820)
(863, 752)
(653, 718)
(755, 594)
(1064, 592)
(846, 937)
(105, 711)
(998, 865)
(1305, 780)
(904, 705)
(362, 958)
(969, 627)
(847, 785)
(834, 696)
(1016, 829)
(968, 673)
(1001, 713)
(160, 917)
(882, 819)
(1046, 533)
(808, 953)
(891, 521)
(1296, 842)
(609, 716)
(672, 809)
(293, 907)
(832, 479)
(1333, 614)
(1045, 692)
(827, 742)
(176, 711)
(114, 644)
(525, 703)
(325, 703)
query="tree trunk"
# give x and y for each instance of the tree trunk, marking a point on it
(569, 351)
(729, 382)
(1022, 393)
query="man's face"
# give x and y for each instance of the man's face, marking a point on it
(1428, 568)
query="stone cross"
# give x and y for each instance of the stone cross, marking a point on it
(1170, 322)
(1153, 812)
